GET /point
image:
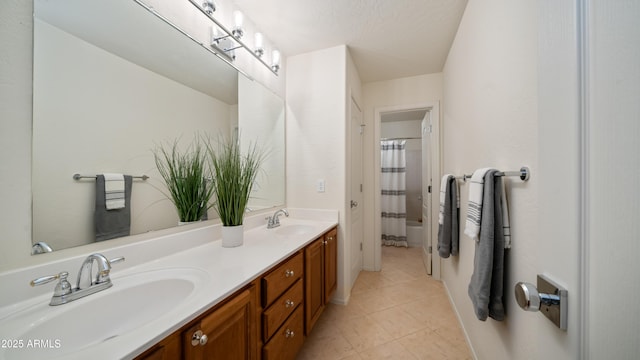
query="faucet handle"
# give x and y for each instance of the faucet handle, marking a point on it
(62, 288)
(103, 275)
(119, 259)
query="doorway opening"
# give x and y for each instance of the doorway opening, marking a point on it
(413, 130)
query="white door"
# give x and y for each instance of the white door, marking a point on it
(356, 201)
(588, 165)
(426, 192)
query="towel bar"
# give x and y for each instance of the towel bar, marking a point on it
(523, 173)
(78, 177)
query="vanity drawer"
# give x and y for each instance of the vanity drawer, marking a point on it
(287, 341)
(280, 310)
(281, 278)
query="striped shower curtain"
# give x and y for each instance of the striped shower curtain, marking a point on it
(393, 197)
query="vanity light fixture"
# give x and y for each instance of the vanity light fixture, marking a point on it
(225, 41)
(259, 44)
(238, 20)
(209, 6)
(275, 61)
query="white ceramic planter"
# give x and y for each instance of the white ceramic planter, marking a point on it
(232, 236)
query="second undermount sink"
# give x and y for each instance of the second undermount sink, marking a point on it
(133, 302)
(294, 230)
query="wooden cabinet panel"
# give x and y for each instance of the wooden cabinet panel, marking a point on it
(288, 340)
(281, 278)
(167, 349)
(330, 264)
(314, 283)
(229, 330)
(280, 310)
(321, 278)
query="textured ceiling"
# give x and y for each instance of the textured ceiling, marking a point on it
(387, 39)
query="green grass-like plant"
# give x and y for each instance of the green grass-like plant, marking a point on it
(187, 176)
(234, 175)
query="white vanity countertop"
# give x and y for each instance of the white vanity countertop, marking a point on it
(226, 271)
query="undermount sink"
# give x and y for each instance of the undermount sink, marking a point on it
(294, 230)
(133, 302)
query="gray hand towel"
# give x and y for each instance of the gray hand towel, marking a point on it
(487, 282)
(448, 231)
(110, 224)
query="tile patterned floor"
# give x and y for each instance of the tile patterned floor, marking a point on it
(398, 313)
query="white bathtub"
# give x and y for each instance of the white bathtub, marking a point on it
(414, 233)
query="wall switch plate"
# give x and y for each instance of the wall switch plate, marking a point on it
(320, 185)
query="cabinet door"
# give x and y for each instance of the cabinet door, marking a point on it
(330, 264)
(230, 331)
(314, 283)
(167, 349)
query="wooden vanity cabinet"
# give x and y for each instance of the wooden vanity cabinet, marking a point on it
(268, 319)
(228, 331)
(168, 349)
(320, 276)
(282, 317)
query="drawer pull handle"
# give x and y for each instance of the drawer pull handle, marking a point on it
(289, 273)
(289, 303)
(330, 238)
(324, 242)
(289, 333)
(199, 338)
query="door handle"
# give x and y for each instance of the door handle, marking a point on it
(547, 297)
(354, 204)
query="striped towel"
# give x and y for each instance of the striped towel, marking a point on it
(474, 209)
(443, 190)
(506, 228)
(114, 191)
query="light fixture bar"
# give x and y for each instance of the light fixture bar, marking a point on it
(221, 55)
(228, 32)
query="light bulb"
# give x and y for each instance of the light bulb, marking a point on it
(275, 60)
(259, 44)
(209, 6)
(238, 19)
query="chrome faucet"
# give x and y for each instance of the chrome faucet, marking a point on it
(274, 221)
(85, 285)
(85, 274)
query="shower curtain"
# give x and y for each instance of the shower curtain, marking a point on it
(393, 196)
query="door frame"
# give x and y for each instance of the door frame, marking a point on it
(349, 196)
(376, 254)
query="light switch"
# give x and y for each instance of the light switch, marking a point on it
(320, 185)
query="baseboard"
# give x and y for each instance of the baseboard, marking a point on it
(455, 310)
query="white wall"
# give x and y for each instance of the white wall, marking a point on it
(16, 39)
(401, 92)
(262, 121)
(316, 140)
(490, 119)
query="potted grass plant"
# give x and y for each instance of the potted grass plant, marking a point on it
(187, 176)
(234, 174)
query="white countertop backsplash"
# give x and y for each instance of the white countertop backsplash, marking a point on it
(197, 247)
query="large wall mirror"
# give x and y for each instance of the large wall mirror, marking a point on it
(112, 81)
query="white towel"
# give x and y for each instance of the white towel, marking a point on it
(443, 189)
(114, 191)
(474, 209)
(506, 228)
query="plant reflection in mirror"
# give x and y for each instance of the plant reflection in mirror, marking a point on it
(186, 174)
